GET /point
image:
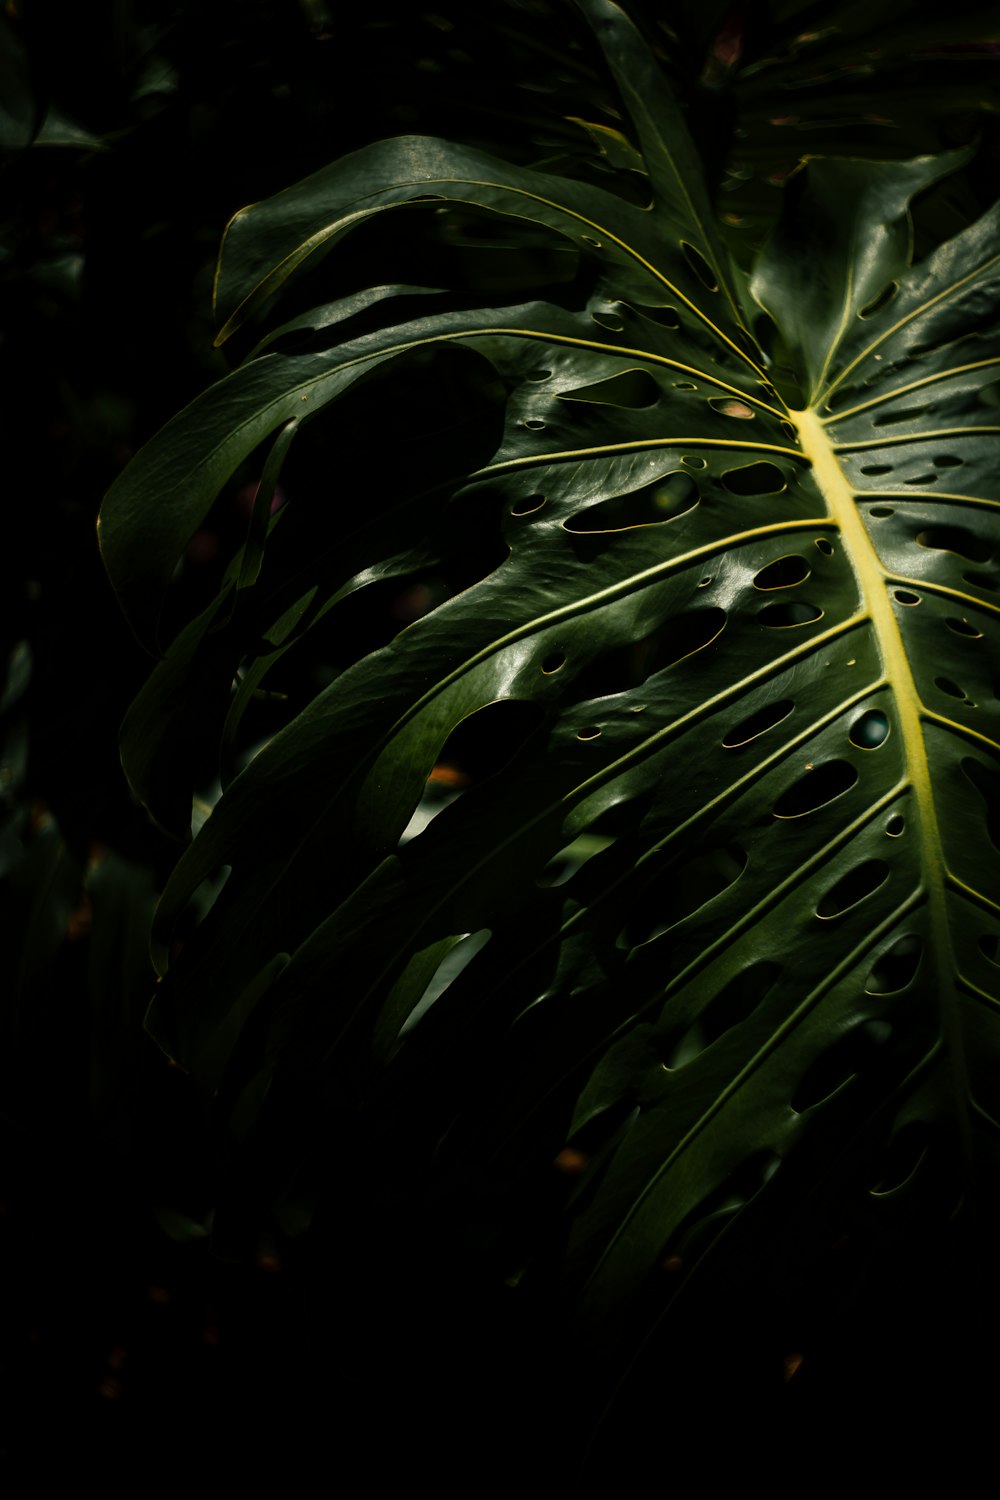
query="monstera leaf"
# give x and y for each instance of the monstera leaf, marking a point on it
(710, 916)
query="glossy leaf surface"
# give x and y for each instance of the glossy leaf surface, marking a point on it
(711, 667)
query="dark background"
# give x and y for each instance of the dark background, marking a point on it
(130, 133)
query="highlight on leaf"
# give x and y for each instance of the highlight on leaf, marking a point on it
(637, 879)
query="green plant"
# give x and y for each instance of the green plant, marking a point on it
(690, 596)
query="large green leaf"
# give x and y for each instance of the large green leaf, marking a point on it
(728, 703)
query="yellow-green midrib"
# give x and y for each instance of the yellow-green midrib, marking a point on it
(873, 586)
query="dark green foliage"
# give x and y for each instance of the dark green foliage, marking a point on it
(576, 702)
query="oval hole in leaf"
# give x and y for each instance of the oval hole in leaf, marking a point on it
(853, 888)
(884, 296)
(841, 397)
(918, 350)
(682, 637)
(962, 627)
(989, 946)
(902, 1159)
(534, 424)
(875, 469)
(954, 539)
(553, 662)
(694, 462)
(673, 495)
(734, 1002)
(759, 723)
(755, 479)
(765, 332)
(727, 407)
(987, 784)
(786, 616)
(631, 665)
(700, 267)
(894, 969)
(528, 505)
(667, 317)
(487, 739)
(815, 789)
(825, 546)
(588, 732)
(982, 581)
(609, 320)
(629, 388)
(951, 688)
(870, 731)
(895, 826)
(783, 573)
(881, 512)
(835, 1068)
(681, 890)
(894, 418)
(947, 461)
(905, 596)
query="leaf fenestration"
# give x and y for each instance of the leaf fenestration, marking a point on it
(750, 642)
